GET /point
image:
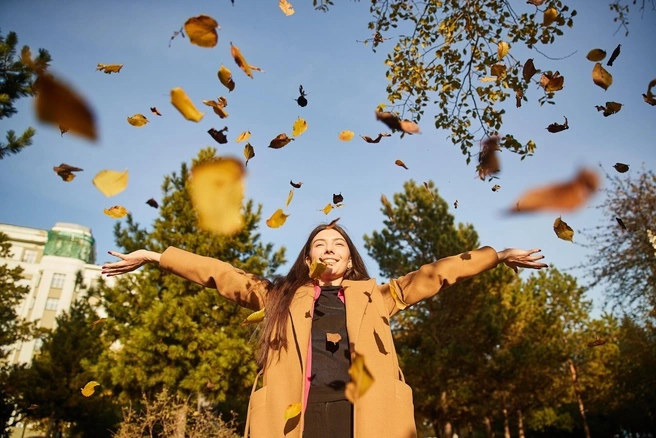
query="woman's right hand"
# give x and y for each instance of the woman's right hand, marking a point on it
(129, 262)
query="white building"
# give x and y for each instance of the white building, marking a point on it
(58, 265)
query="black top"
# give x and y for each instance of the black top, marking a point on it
(330, 348)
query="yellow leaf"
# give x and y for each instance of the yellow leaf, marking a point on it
(218, 106)
(395, 291)
(596, 55)
(249, 152)
(346, 135)
(299, 127)
(563, 231)
(317, 268)
(289, 197)
(361, 379)
(216, 188)
(111, 182)
(255, 317)
(277, 219)
(327, 208)
(286, 7)
(550, 16)
(182, 103)
(293, 410)
(109, 68)
(117, 211)
(201, 30)
(137, 120)
(601, 77)
(502, 49)
(225, 77)
(239, 59)
(58, 104)
(89, 388)
(243, 136)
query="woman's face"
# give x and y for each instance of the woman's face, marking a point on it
(330, 248)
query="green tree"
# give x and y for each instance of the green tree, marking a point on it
(172, 334)
(17, 76)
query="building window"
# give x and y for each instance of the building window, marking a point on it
(58, 281)
(51, 303)
(29, 256)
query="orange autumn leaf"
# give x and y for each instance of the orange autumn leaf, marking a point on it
(109, 68)
(201, 31)
(401, 164)
(286, 7)
(239, 59)
(601, 77)
(182, 103)
(225, 77)
(361, 379)
(327, 209)
(277, 219)
(116, 212)
(346, 135)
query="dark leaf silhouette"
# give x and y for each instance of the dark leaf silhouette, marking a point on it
(556, 127)
(301, 100)
(614, 55)
(621, 167)
(219, 136)
(65, 171)
(152, 203)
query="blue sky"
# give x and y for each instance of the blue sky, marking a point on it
(345, 81)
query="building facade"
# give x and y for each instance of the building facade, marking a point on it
(58, 267)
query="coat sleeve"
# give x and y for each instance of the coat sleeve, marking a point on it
(429, 279)
(245, 289)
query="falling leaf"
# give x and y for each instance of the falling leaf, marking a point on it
(239, 59)
(155, 111)
(182, 103)
(455, 204)
(346, 135)
(243, 136)
(219, 135)
(255, 317)
(596, 342)
(429, 191)
(280, 141)
(333, 338)
(216, 188)
(395, 291)
(225, 77)
(601, 77)
(293, 410)
(201, 30)
(555, 127)
(116, 212)
(277, 219)
(296, 185)
(488, 162)
(498, 71)
(58, 104)
(111, 182)
(614, 55)
(536, 2)
(288, 9)
(327, 209)
(66, 172)
(496, 187)
(621, 167)
(289, 197)
(152, 203)
(610, 108)
(649, 97)
(361, 379)
(332, 223)
(301, 100)
(218, 106)
(529, 70)
(377, 139)
(620, 222)
(89, 388)
(502, 49)
(396, 124)
(552, 81)
(562, 230)
(550, 16)
(109, 68)
(317, 267)
(338, 198)
(565, 196)
(401, 164)
(596, 55)
(249, 152)
(299, 127)
(63, 129)
(137, 120)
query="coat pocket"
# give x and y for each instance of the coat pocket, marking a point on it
(257, 414)
(404, 411)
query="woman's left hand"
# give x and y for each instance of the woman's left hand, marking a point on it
(521, 258)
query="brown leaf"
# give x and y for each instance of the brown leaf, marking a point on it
(536, 2)
(552, 81)
(239, 59)
(529, 70)
(332, 223)
(455, 204)
(375, 140)
(621, 167)
(496, 187)
(488, 162)
(401, 164)
(614, 55)
(519, 94)
(201, 31)
(219, 136)
(280, 141)
(565, 196)
(620, 223)
(396, 124)
(601, 77)
(152, 203)
(66, 172)
(555, 127)
(596, 55)
(562, 230)
(155, 111)
(338, 198)
(296, 185)
(610, 108)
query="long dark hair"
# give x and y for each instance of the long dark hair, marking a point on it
(273, 336)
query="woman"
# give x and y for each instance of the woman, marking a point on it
(315, 327)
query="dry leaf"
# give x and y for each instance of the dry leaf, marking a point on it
(277, 219)
(455, 204)
(620, 222)
(287, 8)
(137, 120)
(299, 127)
(63, 129)
(58, 104)
(155, 111)
(182, 103)
(301, 100)
(377, 139)
(601, 77)
(566, 196)
(502, 49)
(280, 141)
(614, 55)
(597, 342)
(562, 230)
(239, 59)
(219, 135)
(396, 124)
(555, 127)
(327, 209)
(89, 388)
(255, 317)
(552, 82)
(498, 71)
(337, 199)
(529, 70)
(332, 223)
(549, 16)
(225, 77)
(243, 136)
(333, 338)
(536, 2)
(395, 291)
(596, 55)
(293, 410)
(296, 185)
(201, 30)
(111, 182)
(610, 108)
(249, 152)
(289, 198)
(317, 267)
(152, 203)
(109, 68)
(621, 167)
(66, 172)
(401, 164)
(649, 97)
(488, 162)
(346, 135)
(361, 379)
(218, 106)
(116, 212)
(496, 187)
(216, 189)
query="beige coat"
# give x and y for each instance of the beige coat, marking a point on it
(386, 410)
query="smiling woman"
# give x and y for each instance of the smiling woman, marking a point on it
(327, 358)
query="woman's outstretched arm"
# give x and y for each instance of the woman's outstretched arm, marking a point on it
(129, 262)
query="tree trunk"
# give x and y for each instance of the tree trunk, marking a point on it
(579, 399)
(181, 421)
(520, 423)
(506, 423)
(488, 427)
(448, 430)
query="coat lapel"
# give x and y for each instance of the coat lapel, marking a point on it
(357, 295)
(301, 315)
